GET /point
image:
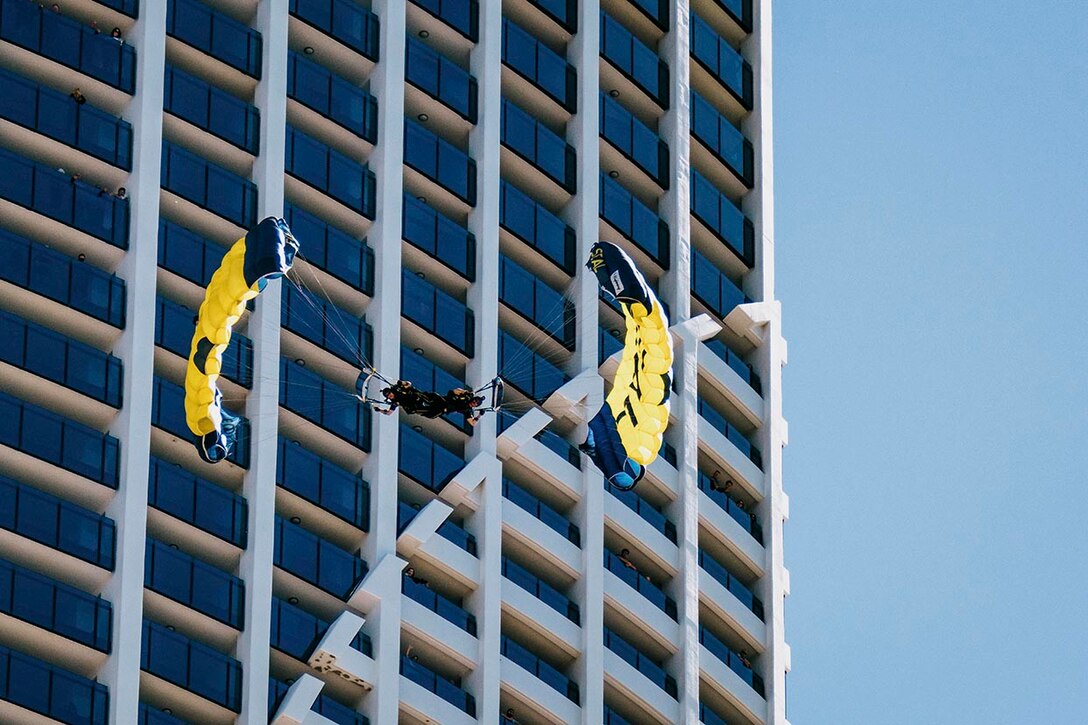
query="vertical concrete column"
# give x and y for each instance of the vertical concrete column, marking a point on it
(387, 85)
(136, 348)
(582, 213)
(675, 209)
(262, 405)
(485, 64)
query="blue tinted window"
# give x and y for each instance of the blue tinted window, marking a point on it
(350, 23)
(209, 186)
(440, 78)
(535, 300)
(723, 139)
(531, 140)
(324, 403)
(193, 583)
(425, 461)
(191, 666)
(634, 220)
(334, 97)
(204, 504)
(536, 226)
(461, 15)
(211, 109)
(336, 490)
(54, 605)
(326, 169)
(168, 413)
(444, 239)
(527, 370)
(635, 60)
(540, 65)
(333, 250)
(440, 161)
(51, 691)
(635, 140)
(316, 561)
(174, 329)
(722, 217)
(720, 59)
(437, 312)
(326, 325)
(216, 34)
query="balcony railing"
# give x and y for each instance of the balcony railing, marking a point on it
(551, 440)
(323, 403)
(734, 661)
(540, 510)
(440, 161)
(641, 662)
(735, 361)
(438, 313)
(206, 505)
(429, 230)
(32, 26)
(316, 561)
(441, 79)
(209, 186)
(296, 632)
(148, 715)
(739, 10)
(533, 224)
(345, 20)
(56, 523)
(540, 65)
(323, 705)
(57, 358)
(125, 7)
(55, 115)
(727, 429)
(722, 217)
(607, 345)
(336, 252)
(324, 324)
(564, 12)
(430, 680)
(539, 146)
(635, 140)
(56, 693)
(718, 57)
(168, 413)
(191, 666)
(635, 60)
(194, 584)
(446, 608)
(536, 301)
(730, 582)
(541, 590)
(641, 584)
(219, 113)
(656, 10)
(449, 530)
(711, 287)
(54, 439)
(543, 671)
(634, 220)
(731, 506)
(527, 370)
(425, 461)
(55, 606)
(709, 717)
(611, 717)
(335, 98)
(461, 15)
(174, 332)
(722, 139)
(215, 34)
(330, 172)
(646, 511)
(54, 194)
(188, 255)
(311, 477)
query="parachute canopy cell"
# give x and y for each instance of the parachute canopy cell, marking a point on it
(639, 399)
(264, 253)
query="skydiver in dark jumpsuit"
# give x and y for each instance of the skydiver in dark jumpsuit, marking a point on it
(430, 404)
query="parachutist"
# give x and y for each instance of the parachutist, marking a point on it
(429, 404)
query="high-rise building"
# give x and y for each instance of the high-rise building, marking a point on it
(446, 166)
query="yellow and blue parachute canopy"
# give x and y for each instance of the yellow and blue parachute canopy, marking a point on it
(639, 399)
(265, 252)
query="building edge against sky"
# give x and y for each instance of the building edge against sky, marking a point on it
(446, 166)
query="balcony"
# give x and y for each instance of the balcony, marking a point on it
(188, 255)
(168, 413)
(335, 252)
(608, 344)
(637, 222)
(56, 523)
(710, 286)
(563, 12)
(543, 68)
(196, 501)
(722, 145)
(533, 224)
(721, 217)
(528, 295)
(541, 590)
(431, 681)
(55, 115)
(125, 7)
(440, 161)
(54, 439)
(191, 666)
(50, 691)
(335, 98)
(538, 146)
(296, 632)
(323, 403)
(551, 440)
(354, 26)
(635, 61)
(323, 705)
(731, 506)
(55, 606)
(746, 372)
(736, 662)
(312, 478)
(543, 671)
(450, 530)
(720, 574)
(209, 186)
(654, 671)
(727, 429)
(150, 716)
(438, 313)
(425, 461)
(322, 323)
(637, 142)
(709, 717)
(330, 172)
(194, 584)
(316, 561)
(54, 357)
(446, 608)
(652, 592)
(174, 332)
(53, 194)
(646, 511)
(439, 237)
(714, 55)
(66, 41)
(739, 13)
(554, 520)
(657, 11)
(425, 375)
(215, 34)
(461, 15)
(526, 370)
(441, 79)
(210, 109)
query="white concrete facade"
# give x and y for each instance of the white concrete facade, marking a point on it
(400, 629)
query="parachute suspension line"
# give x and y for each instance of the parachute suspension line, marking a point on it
(309, 298)
(522, 359)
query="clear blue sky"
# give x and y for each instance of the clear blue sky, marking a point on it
(932, 237)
